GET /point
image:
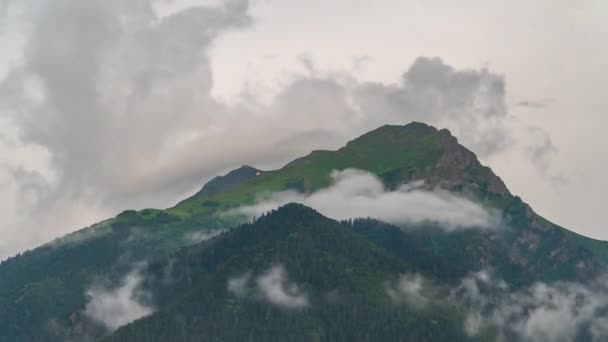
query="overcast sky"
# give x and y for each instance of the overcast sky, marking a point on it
(108, 105)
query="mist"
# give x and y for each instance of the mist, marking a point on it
(114, 307)
(272, 286)
(360, 194)
(560, 311)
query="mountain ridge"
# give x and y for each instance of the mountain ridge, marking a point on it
(396, 154)
(49, 283)
(319, 256)
(335, 270)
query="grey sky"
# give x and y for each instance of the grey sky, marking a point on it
(550, 52)
(108, 105)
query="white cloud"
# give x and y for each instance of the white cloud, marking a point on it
(357, 194)
(276, 288)
(239, 285)
(273, 286)
(107, 99)
(410, 289)
(541, 312)
(115, 307)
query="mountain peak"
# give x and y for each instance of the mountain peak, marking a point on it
(408, 132)
(442, 161)
(397, 154)
(229, 181)
(293, 210)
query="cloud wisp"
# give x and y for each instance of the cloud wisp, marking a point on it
(273, 286)
(356, 194)
(411, 289)
(115, 307)
(200, 236)
(277, 289)
(239, 286)
(562, 311)
(559, 311)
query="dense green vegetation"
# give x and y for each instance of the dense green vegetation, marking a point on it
(344, 269)
(342, 273)
(50, 282)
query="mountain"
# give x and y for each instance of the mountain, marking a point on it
(396, 154)
(338, 274)
(354, 282)
(44, 292)
(228, 182)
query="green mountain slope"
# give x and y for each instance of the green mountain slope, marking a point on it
(47, 286)
(346, 272)
(522, 256)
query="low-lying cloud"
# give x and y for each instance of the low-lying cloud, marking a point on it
(272, 286)
(562, 311)
(115, 307)
(200, 236)
(356, 194)
(559, 311)
(411, 289)
(239, 286)
(277, 289)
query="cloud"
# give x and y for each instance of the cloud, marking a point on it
(239, 285)
(541, 149)
(200, 236)
(469, 102)
(560, 311)
(118, 83)
(411, 289)
(115, 307)
(356, 194)
(111, 108)
(112, 97)
(273, 286)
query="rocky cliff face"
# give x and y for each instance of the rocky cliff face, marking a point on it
(458, 169)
